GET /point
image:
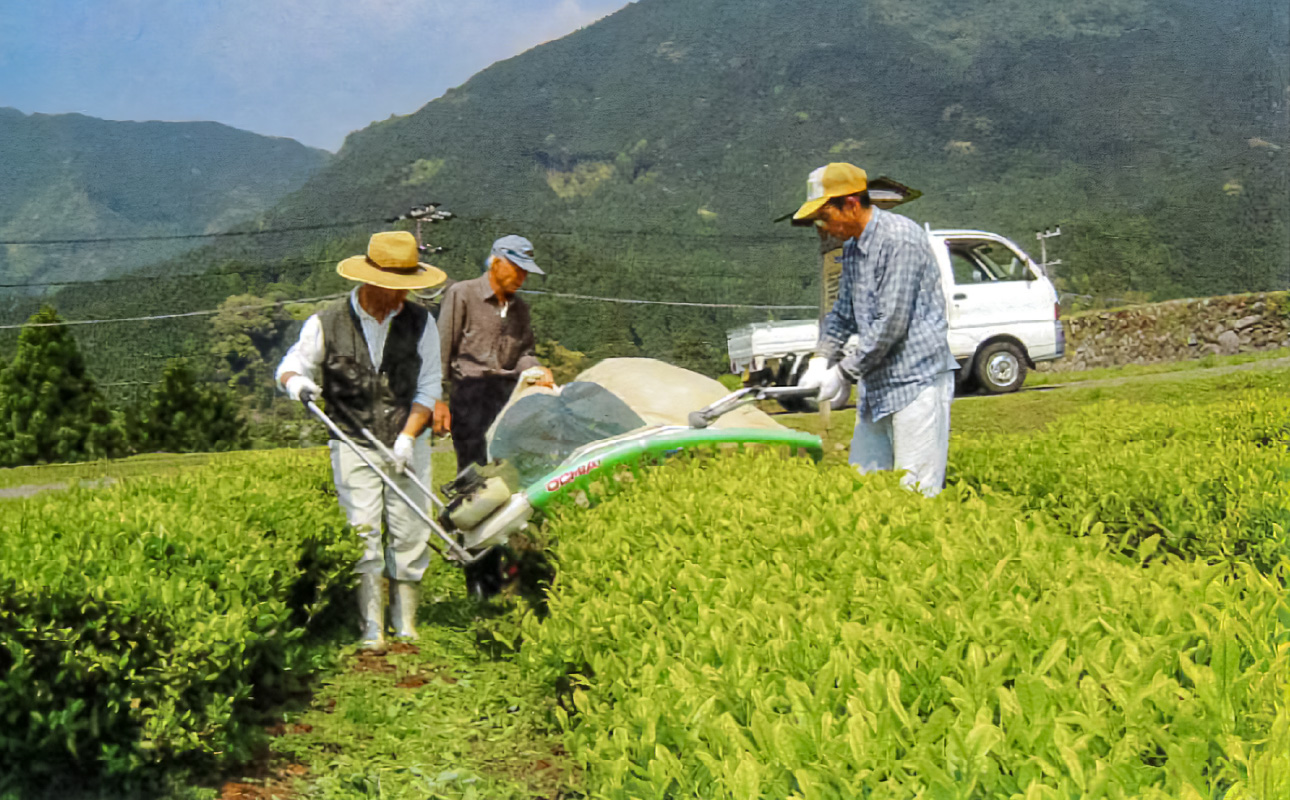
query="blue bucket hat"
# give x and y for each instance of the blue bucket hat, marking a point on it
(518, 251)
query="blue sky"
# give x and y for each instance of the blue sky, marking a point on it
(313, 70)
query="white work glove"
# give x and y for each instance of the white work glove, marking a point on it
(402, 452)
(302, 389)
(830, 381)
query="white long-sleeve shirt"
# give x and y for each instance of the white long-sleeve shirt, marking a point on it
(306, 355)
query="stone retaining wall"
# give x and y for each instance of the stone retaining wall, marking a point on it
(1175, 331)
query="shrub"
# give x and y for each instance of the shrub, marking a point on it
(141, 623)
(1206, 480)
(760, 628)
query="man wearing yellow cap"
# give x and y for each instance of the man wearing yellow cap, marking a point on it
(890, 296)
(378, 359)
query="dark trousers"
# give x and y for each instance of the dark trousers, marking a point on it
(474, 404)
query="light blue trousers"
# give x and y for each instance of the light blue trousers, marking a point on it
(915, 439)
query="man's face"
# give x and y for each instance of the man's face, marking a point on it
(839, 218)
(393, 297)
(507, 277)
(386, 298)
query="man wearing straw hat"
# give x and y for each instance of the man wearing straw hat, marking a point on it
(378, 360)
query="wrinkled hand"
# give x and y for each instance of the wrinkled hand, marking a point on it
(402, 452)
(538, 376)
(441, 422)
(302, 389)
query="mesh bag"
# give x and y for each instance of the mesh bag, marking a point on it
(538, 432)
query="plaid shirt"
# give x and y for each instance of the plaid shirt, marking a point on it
(890, 294)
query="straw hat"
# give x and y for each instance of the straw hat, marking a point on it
(391, 263)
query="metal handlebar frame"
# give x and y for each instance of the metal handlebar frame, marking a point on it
(455, 552)
(389, 456)
(741, 397)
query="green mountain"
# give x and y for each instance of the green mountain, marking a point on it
(660, 142)
(646, 156)
(69, 176)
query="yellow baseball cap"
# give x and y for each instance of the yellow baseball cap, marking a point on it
(838, 179)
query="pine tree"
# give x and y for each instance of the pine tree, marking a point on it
(185, 416)
(50, 407)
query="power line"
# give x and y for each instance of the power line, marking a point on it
(633, 301)
(170, 316)
(621, 300)
(535, 228)
(177, 236)
(270, 267)
(178, 276)
(310, 264)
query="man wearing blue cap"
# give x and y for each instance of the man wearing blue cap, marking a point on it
(486, 342)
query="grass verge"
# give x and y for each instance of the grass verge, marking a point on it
(1034, 379)
(1033, 411)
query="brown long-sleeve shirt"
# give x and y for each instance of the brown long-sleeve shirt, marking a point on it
(479, 337)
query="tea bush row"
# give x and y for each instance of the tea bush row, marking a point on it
(143, 622)
(761, 628)
(1195, 480)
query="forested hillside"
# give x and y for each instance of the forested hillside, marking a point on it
(646, 156)
(69, 176)
(1152, 130)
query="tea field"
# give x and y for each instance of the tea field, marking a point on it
(1095, 607)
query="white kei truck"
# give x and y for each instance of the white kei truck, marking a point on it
(1003, 314)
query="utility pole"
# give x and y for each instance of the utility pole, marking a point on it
(1043, 238)
(427, 214)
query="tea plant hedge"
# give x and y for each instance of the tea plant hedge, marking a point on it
(761, 628)
(1208, 480)
(143, 622)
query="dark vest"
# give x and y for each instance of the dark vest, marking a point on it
(358, 395)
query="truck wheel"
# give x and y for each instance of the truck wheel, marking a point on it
(1000, 367)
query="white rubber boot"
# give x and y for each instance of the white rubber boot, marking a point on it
(371, 609)
(403, 608)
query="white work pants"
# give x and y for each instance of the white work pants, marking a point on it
(915, 439)
(366, 502)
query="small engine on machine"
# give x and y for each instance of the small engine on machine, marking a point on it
(472, 496)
